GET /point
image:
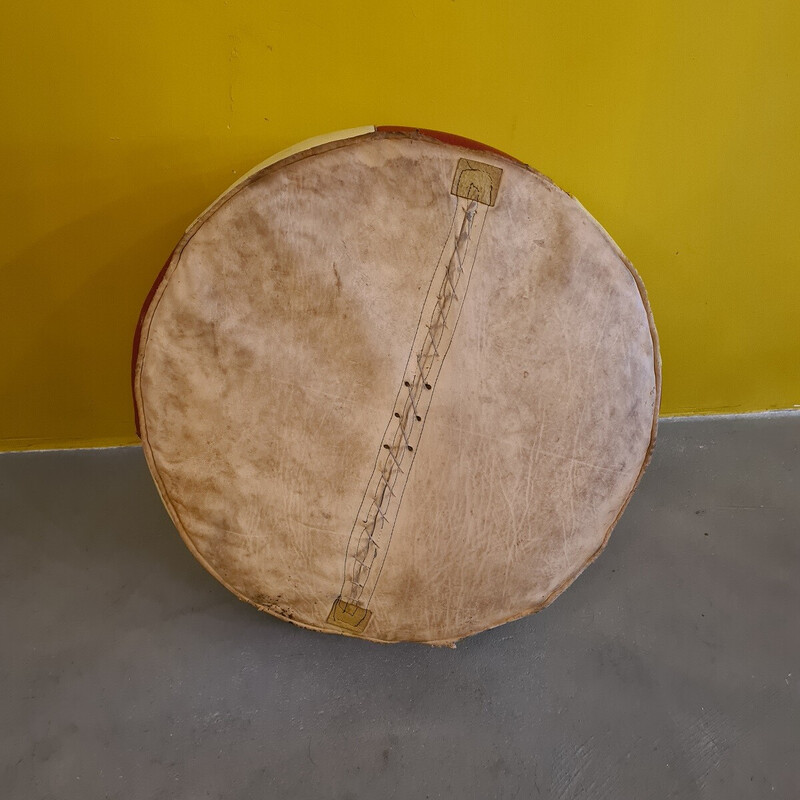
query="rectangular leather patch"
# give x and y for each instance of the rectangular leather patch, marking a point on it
(349, 616)
(475, 180)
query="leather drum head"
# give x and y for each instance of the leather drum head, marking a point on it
(396, 385)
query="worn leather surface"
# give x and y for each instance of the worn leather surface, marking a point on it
(273, 351)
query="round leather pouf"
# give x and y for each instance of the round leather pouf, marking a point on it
(397, 385)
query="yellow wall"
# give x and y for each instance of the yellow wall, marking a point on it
(677, 124)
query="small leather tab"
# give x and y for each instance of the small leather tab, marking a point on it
(475, 180)
(349, 616)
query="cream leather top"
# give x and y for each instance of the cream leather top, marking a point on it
(397, 388)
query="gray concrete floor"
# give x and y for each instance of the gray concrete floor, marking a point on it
(671, 668)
